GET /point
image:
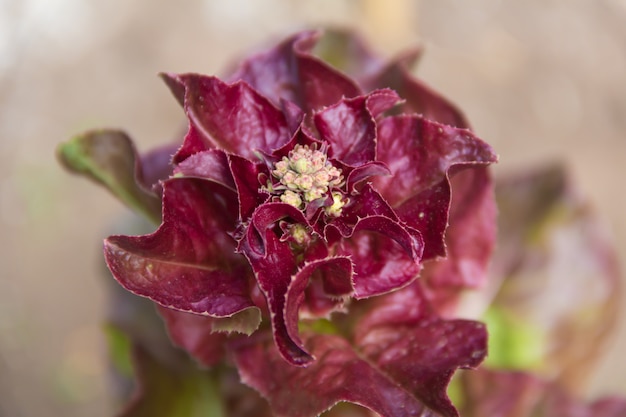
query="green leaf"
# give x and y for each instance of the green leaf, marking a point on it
(120, 347)
(513, 342)
(245, 322)
(109, 158)
(168, 391)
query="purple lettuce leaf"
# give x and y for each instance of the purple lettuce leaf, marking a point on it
(386, 255)
(274, 263)
(283, 281)
(470, 240)
(422, 155)
(189, 263)
(347, 52)
(419, 98)
(210, 103)
(399, 363)
(291, 72)
(349, 126)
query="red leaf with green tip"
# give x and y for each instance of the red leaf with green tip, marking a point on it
(290, 72)
(109, 157)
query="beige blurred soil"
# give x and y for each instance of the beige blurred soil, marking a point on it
(539, 79)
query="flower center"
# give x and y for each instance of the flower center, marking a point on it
(305, 175)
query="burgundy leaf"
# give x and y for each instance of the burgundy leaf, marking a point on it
(419, 97)
(195, 334)
(274, 263)
(193, 142)
(290, 72)
(400, 364)
(406, 340)
(428, 212)
(339, 374)
(364, 172)
(156, 166)
(189, 263)
(350, 127)
(233, 117)
(386, 253)
(367, 202)
(420, 154)
(246, 175)
(335, 277)
(211, 164)
(293, 114)
(470, 240)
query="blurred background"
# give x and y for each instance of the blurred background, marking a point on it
(539, 79)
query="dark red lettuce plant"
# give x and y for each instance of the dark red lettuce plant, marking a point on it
(318, 226)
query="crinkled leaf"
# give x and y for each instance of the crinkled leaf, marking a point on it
(274, 263)
(470, 239)
(232, 117)
(406, 339)
(246, 176)
(189, 263)
(290, 72)
(211, 164)
(420, 154)
(339, 374)
(334, 278)
(385, 254)
(350, 127)
(400, 364)
(109, 158)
